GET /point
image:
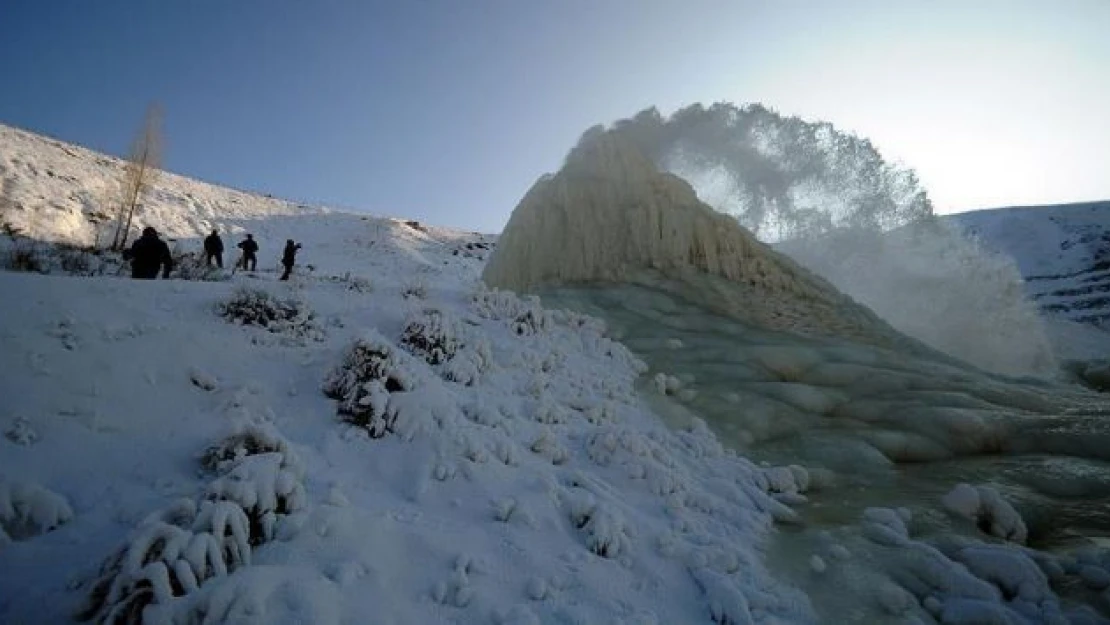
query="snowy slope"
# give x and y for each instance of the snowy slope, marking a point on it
(481, 459)
(524, 482)
(54, 191)
(1063, 253)
(542, 492)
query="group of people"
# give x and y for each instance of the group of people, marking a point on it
(149, 253)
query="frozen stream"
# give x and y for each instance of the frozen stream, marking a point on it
(883, 428)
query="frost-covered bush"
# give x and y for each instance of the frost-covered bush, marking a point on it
(525, 315)
(171, 554)
(431, 334)
(176, 550)
(21, 254)
(439, 338)
(27, 509)
(415, 288)
(21, 432)
(77, 262)
(264, 486)
(354, 283)
(256, 307)
(371, 370)
(192, 266)
(472, 360)
(25, 255)
(250, 440)
(602, 527)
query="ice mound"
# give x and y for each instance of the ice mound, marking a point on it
(611, 216)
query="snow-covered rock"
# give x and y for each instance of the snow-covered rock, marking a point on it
(27, 509)
(986, 507)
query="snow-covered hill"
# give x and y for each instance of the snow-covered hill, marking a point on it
(1063, 252)
(54, 191)
(384, 439)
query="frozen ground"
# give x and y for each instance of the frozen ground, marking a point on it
(482, 459)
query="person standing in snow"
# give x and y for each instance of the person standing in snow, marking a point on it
(250, 249)
(288, 257)
(214, 248)
(147, 254)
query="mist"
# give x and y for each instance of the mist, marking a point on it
(829, 199)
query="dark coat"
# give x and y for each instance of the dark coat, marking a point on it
(213, 244)
(147, 254)
(289, 256)
(249, 246)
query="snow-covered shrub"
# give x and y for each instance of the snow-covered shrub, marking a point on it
(603, 528)
(250, 440)
(431, 334)
(263, 486)
(78, 262)
(549, 446)
(530, 322)
(525, 315)
(260, 308)
(176, 550)
(27, 509)
(357, 284)
(371, 370)
(495, 304)
(415, 288)
(727, 604)
(439, 338)
(21, 432)
(472, 360)
(25, 255)
(171, 554)
(192, 266)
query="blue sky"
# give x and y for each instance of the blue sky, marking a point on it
(448, 110)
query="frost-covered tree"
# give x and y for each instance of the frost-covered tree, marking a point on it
(139, 173)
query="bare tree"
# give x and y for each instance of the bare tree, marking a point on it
(140, 173)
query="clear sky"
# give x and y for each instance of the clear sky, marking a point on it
(447, 110)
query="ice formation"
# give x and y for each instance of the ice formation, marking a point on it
(829, 200)
(610, 216)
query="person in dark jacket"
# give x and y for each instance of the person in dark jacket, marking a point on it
(147, 254)
(250, 249)
(214, 248)
(288, 257)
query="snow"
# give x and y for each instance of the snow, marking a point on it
(1063, 253)
(463, 481)
(400, 443)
